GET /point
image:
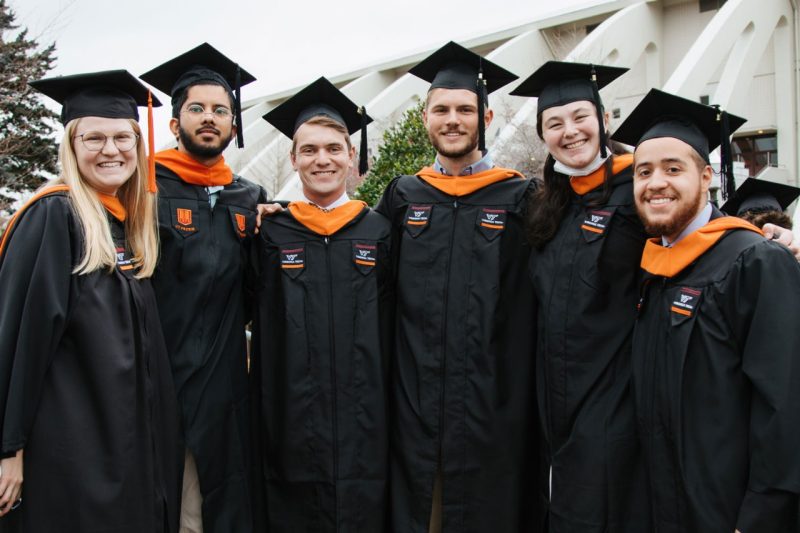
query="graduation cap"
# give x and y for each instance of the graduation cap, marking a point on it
(760, 195)
(107, 94)
(322, 98)
(202, 64)
(558, 83)
(454, 67)
(702, 127)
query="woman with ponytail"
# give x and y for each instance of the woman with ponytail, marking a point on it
(586, 245)
(87, 404)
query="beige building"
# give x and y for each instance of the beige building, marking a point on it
(740, 54)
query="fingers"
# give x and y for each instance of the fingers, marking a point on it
(266, 210)
(10, 496)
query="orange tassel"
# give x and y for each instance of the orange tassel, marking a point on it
(151, 148)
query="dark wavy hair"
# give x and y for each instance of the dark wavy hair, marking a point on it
(546, 207)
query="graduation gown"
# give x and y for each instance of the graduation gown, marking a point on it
(204, 303)
(323, 344)
(716, 371)
(463, 389)
(85, 385)
(586, 281)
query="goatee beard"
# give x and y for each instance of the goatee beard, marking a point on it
(454, 153)
(200, 150)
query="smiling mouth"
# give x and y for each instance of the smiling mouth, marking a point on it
(110, 164)
(660, 201)
(324, 173)
(207, 132)
(576, 144)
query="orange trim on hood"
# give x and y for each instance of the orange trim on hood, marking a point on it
(669, 262)
(464, 185)
(323, 222)
(584, 184)
(34, 198)
(113, 206)
(194, 172)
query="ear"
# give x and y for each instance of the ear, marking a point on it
(293, 159)
(606, 120)
(425, 116)
(352, 157)
(174, 127)
(488, 115)
(705, 178)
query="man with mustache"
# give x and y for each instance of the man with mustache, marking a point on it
(463, 431)
(207, 217)
(716, 348)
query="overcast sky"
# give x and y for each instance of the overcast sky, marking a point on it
(283, 43)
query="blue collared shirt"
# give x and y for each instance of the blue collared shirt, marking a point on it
(698, 222)
(484, 163)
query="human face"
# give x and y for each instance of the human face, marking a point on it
(322, 161)
(451, 118)
(669, 185)
(108, 169)
(571, 133)
(205, 135)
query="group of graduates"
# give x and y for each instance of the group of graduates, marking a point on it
(598, 350)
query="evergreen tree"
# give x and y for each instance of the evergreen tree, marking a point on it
(28, 152)
(405, 149)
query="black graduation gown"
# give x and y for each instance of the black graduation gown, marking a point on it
(85, 385)
(204, 303)
(463, 389)
(716, 370)
(323, 344)
(586, 281)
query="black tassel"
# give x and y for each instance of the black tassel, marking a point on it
(599, 106)
(481, 86)
(363, 152)
(726, 179)
(238, 109)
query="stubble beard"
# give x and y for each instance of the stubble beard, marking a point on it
(201, 150)
(454, 153)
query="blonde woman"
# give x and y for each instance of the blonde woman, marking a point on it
(87, 407)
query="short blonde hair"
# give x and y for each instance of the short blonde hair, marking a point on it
(141, 224)
(322, 120)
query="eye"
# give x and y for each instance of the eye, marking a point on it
(195, 109)
(94, 137)
(642, 172)
(222, 112)
(335, 149)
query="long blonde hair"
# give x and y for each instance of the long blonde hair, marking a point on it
(141, 224)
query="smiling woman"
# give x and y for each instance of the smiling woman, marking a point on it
(88, 397)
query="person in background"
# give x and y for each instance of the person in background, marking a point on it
(760, 202)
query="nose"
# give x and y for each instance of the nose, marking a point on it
(453, 117)
(323, 158)
(657, 181)
(110, 147)
(570, 129)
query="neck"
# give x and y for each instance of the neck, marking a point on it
(676, 234)
(323, 200)
(454, 166)
(206, 161)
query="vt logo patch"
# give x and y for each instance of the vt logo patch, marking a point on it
(685, 302)
(491, 222)
(417, 218)
(124, 260)
(183, 221)
(365, 256)
(293, 258)
(241, 222)
(596, 221)
(184, 217)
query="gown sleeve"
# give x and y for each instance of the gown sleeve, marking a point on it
(764, 310)
(35, 284)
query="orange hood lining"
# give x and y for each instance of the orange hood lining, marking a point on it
(464, 185)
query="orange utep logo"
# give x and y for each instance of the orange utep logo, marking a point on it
(240, 221)
(185, 216)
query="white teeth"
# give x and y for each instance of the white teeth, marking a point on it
(110, 164)
(575, 144)
(660, 201)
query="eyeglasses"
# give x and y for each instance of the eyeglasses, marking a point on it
(197, 111)
(94, 141)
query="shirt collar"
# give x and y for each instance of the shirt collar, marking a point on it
(698, 222)
(484, 163)
(343, 199)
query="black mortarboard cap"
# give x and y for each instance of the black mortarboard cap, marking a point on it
(760, 195)
(202, 63)
(321, 98)
(108, 94)
(558, 83)
(702, 127)
(454, 67)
